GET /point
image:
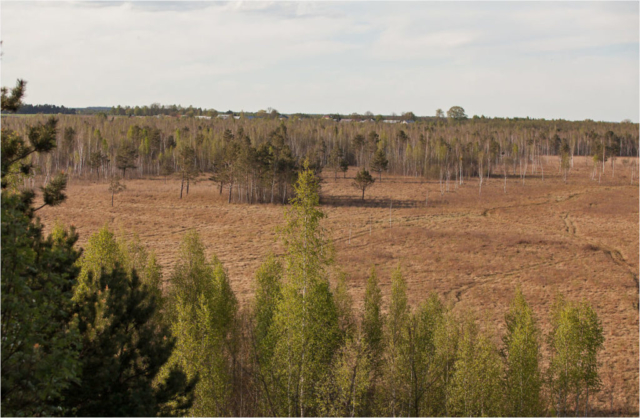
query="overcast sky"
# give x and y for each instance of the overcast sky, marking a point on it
(573, 60)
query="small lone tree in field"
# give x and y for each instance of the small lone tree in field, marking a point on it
(115, 187)
(363, 181)
(380, 162)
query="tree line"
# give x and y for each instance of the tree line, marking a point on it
(257, 160)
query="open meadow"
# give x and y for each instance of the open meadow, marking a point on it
(579, 238)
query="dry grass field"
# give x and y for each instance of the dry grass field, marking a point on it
(578, 238)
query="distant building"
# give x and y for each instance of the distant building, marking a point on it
(390, 121)
(203, 117)
(406, 122)
(346, 120)
(224, 116)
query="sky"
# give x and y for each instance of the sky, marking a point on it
(553, 60)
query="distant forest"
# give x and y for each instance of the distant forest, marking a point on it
(45, 109)
(257, 159)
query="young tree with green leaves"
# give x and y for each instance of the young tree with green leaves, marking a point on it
(268, 295)
(475, 388)
(306, 327)
(393, 397)
(344, 392)
(372, 316)
(203, 313)
(521, 353)
(576, 339)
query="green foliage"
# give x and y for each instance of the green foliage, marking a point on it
(344, 392)
(306, 327)
(203, 314)
(344, 306)
(42, 139)
(363, 181)
(125, 340)
(379, 163)
(12, 102)
(475, 388)
(39, 335)
(393, 396)
(523, 381)
(456, 113)
(126, 157)
(421, 365)
(575, 341)
(372, 319)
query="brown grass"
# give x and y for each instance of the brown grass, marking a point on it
(578, 238)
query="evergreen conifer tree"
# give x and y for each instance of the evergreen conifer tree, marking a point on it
(39, 335)
(379, 163)
(125, 341)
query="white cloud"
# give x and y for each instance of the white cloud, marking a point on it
(569, 60)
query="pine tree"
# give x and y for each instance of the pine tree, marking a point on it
(363, 181)
(126, 157)
(379, 163)
(39, 335)
(125, 340)
(523, 382)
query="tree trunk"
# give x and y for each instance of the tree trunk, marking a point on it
(230, 189)
(112, 199)
(181, 186)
